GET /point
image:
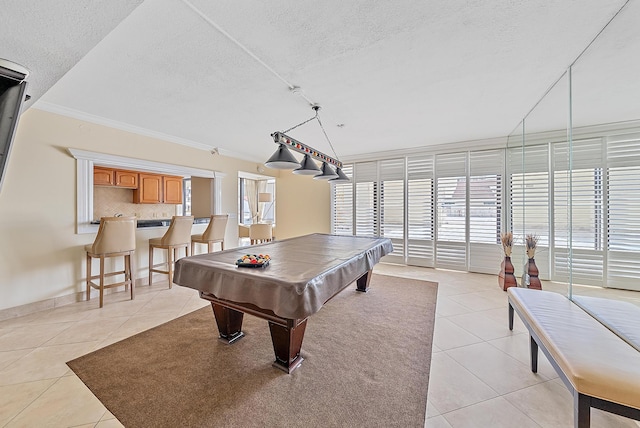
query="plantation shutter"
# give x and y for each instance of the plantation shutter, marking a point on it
(486, 171)
(529, 201)
(451, 214)
(583, 187)
(623, 211)
(392, 172)
(342, 204)
(367, 214)
(420, 211)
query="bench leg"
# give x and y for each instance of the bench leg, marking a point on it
(510, 317)
(534, 355)
(581, 410)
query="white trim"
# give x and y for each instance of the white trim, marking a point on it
(84, 196)
(84, 181)
(103, 159)
(216, 190)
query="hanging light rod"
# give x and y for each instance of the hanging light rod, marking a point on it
(293, 144)
(283, 159)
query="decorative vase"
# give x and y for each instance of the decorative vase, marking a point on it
(506, 278)
(531, 273)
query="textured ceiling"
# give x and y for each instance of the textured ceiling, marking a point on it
(398, 75)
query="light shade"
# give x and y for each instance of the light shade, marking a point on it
(264, 197)
(307, 167)
(327, 173)
(282, 159)
(342, 177)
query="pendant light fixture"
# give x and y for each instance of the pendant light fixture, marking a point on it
(307, 167)
(342, 177)
(284, 159)
(328, 173)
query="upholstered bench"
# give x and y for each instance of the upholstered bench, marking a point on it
(600, 369)
(622, 318)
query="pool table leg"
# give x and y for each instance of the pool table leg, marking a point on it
(287, 342)
(363, 281)
(229, 323)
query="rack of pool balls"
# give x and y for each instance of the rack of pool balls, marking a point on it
(253, 260)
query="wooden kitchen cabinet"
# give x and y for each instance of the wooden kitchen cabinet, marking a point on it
(149, 189)
(103, 176)
(127, 179)
(158, 189)
(172, 189)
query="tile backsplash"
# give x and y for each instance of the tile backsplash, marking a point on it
(109, 201)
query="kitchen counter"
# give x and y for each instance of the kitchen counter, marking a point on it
(162, 222)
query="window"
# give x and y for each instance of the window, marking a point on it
(366, 183)
(420, 211)
(451, 214)
(578, 190)
(486, 172)
(342, 204)
(530, 193)
(623, 211)
(186, 200)
(251, 209)
(392, 205)
(447, 210)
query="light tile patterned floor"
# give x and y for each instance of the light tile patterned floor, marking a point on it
(480, 373)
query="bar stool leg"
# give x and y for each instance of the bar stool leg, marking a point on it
(130, 265)
(125, 269)
(88, 277)
(150, 265)
(101, 280)
(170, 256)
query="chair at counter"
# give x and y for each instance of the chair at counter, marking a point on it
(260, 232)
(214, 233)
(177, 236)
(116, 237)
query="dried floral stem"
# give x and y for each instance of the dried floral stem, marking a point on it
(507, 242)
(531, 242)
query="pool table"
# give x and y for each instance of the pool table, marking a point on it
(304, 273)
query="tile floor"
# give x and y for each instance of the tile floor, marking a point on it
(480, 373)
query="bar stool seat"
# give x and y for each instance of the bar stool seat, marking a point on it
(177, 236)
(214, 233)
(116, 238)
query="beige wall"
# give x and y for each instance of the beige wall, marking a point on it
(41, 256)
(302, 206)
(201, 196)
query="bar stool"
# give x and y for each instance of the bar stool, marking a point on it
(116, 237)
(260, 232)
(177, 236)
(214, 233)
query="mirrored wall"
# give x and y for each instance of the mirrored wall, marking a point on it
(573, 168)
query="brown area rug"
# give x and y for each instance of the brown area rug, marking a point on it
(366, 363)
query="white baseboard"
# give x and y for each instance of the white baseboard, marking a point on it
(56, 302)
